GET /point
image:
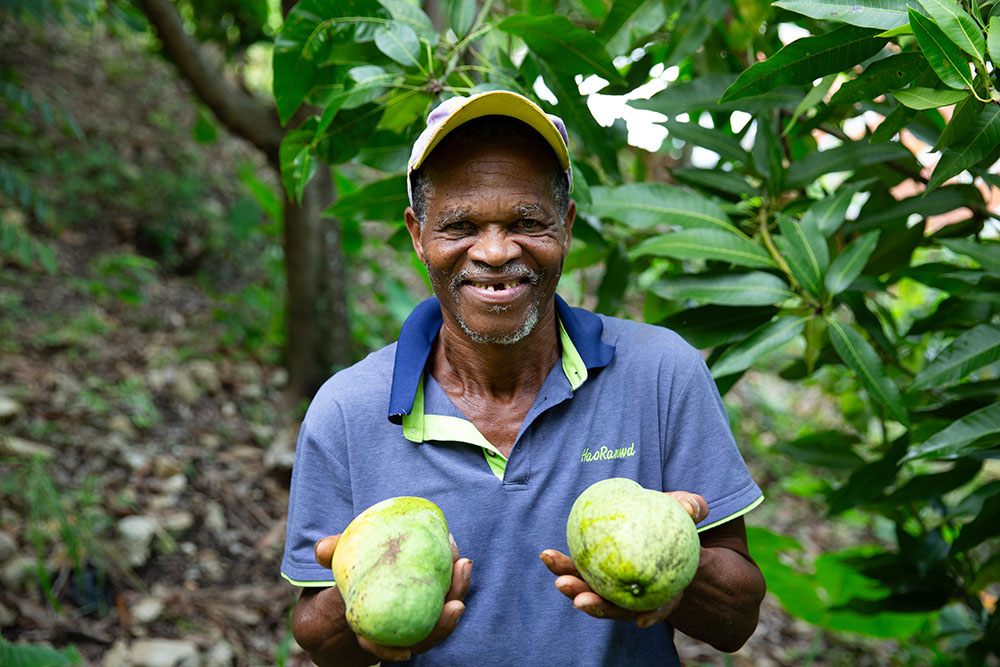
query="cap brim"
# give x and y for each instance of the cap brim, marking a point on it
(498, 103)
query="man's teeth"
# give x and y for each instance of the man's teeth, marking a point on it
(493, 287)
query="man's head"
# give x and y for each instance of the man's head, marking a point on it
(491, 217)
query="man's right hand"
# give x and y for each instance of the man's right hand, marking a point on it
(320, 627)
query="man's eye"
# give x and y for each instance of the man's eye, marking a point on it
(461, 226)
(528, 223)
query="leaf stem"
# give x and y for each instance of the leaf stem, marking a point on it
(765, 236)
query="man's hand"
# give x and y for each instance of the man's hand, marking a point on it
(571, 584)
(329, 652)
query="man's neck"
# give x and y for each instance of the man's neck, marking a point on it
(492, 370)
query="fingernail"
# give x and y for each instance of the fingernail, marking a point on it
(467, 571)
(643, 622)
(595, 611)
(545, 557)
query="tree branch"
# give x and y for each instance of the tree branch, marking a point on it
(235, 108)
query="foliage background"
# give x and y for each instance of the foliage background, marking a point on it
(820, 220)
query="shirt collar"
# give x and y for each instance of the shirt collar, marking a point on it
(421, 327)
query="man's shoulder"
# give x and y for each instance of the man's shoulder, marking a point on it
(646, 341)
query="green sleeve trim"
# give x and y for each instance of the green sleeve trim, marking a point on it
(309, 584)
(572, 362)
(733, 515)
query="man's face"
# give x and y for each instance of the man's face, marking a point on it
(493, 242)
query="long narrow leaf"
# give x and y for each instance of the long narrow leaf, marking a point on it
(961, 122)
(858, 355)
(987, 254)
(945, 57)
(566, 47)
(727, 146)
(643, 205)
(847, 157)
(970, 351)
(848, 264)
(993, 40)
(884, 14)
(982, 137)
(882, 75)
(766, 339)
(709, 326)
(957, 25)
(971, 432)
(807, 59)
(805, 251)
(828, 213)
(919, 98)
(729, 289)
(712, 244)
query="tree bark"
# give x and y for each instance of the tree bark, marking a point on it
(317, 330)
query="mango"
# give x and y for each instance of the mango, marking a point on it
(393, 566)
(635, 547)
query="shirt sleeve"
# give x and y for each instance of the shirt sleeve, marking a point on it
(320, 502)
(700, 454)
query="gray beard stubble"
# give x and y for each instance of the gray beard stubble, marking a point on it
(511, 268)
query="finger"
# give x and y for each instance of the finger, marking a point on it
(446, 624)
(558, 563)
(383, 652)
(571, 586)
(461, 574)
(324, 550)
(695, 505)
(594, 605)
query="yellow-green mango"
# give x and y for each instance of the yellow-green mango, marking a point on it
(393, 566)
(635, 547)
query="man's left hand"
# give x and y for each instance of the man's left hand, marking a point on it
(571, 584)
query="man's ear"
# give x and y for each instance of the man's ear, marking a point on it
(413, 226)
(568, 223)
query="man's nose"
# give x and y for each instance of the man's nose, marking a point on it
(494, 247)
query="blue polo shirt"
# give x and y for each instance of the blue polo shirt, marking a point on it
(628, 400)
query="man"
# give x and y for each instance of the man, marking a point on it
(501, 404)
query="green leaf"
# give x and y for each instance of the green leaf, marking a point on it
(805, 251)
(765, 339)
(975, 431)
(298, 162)
(729, 289)
(692, 26)
(350, 131)
(414, 17)
(713, 244)
(613, 283)
(829, 449)
(982, 137)
(461, 16)
(828, 214)
(884, 14)
(945, 57)
(311, 30)
(768, 153)
(807, 59)
(644, 205)
(897, 119)
(710, 326)
(846, 157)
(919, 98)
(28, 655)
(848, 264)
(961, 122)
(980, 529)
(730, 182)
(564, 46)
(858, 355)
(958, 26)
(399, 42)
(383, 200)
(703, 93)
(987, 254)
(993, 42)
(972, 350)
(727, 146)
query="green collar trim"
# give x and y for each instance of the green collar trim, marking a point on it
(421, 427)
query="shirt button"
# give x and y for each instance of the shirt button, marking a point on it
(490, 452)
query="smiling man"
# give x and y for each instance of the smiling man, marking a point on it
(493, 403)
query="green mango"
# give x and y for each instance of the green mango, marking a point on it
(635, 547)
(393, 566)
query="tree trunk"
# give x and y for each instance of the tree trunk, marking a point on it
(317, 330)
